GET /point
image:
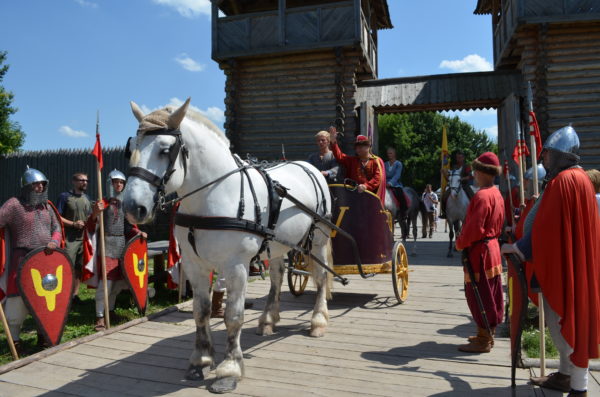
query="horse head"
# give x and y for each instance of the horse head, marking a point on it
(157, 160)
(454, 182)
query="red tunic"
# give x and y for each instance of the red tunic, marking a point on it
(370, 175)
(484, 220)
(566, 259)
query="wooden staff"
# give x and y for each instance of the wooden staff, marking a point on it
(11, 343)
(541, 314)
(101, 233)
(521, 161)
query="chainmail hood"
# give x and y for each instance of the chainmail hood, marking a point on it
(30, 197)
(558, 161)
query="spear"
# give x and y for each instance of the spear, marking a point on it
(532, 141)
(521, 161)
(98, 153)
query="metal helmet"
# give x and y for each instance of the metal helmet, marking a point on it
(541, 173)
(32, 175)
(114, 174)
(563, 140)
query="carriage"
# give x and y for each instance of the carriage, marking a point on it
(363, 244)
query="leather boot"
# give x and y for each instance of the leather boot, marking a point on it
(480, 344)
(217, 305)
(100, 324)
(41, 342)
(481, 333)
(554, 381)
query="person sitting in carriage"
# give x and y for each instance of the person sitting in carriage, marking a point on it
(365, 168)
(466, 178)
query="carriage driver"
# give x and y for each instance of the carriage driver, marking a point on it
(32, 222)
(365, 168)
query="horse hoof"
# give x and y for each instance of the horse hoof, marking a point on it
(317, 332)
(265, 330)
(196, 372)
(223, 385)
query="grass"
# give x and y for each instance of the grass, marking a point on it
(82, 318)
(530, 341)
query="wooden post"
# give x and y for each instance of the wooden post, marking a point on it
(11, 343)
(282, 23)
(100, 242)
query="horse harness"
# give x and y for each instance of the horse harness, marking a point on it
(276, 193)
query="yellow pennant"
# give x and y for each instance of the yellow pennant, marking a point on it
(136, 270)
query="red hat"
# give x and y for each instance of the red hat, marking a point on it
(362, 140)
(488, 163)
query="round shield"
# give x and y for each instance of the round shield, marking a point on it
(45, 281)
(134, 267)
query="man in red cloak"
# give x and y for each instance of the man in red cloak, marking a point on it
(480, 232)
(365, 168)
(562, 242)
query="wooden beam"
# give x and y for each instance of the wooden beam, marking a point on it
(214, 28)
(282, 23)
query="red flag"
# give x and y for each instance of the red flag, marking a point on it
(98, 151)
(520, 148)
(534, 129)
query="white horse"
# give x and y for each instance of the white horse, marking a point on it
(186, 152)
(456, 207)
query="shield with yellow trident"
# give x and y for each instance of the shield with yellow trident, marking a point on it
(134, 267)
(45, 281)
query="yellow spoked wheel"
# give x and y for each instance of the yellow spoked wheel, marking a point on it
(297, 279)
(400, 272)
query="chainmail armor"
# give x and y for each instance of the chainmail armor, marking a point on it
(30, 197)
(30, 226)
(114, 229)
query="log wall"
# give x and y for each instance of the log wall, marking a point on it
(286, 99)
(563, 63)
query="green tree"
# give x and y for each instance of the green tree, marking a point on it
(417, 138)
(11, 135)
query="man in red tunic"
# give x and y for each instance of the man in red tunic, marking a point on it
(562, 241)
(364, 168)
(480, 232)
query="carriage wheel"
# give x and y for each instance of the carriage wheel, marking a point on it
(297, 282)
(400, 272)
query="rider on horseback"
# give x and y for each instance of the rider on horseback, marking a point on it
(393, 175)
(466, 178)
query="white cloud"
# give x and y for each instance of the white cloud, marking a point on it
(470, 63)
(492, 132)
(188, 63)
(85, 3)
(188, 8)
(213, 113)
(470, 113)
(68, 131)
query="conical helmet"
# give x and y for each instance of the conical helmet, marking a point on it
(541, 172)
(31, 175)
(114, 174)
(563, 140)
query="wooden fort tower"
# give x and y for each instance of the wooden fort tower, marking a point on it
(292, 67)
(555, 44)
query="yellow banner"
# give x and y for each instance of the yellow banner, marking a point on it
(445, 158)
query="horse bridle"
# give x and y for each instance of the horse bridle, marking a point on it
(160, 182)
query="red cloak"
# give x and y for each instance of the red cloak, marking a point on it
(371, 175)
(566, 259)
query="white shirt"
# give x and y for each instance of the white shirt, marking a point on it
(428, 200)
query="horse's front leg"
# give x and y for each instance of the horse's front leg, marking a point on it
(231, 370)
(202, 358)
(270, 316)
(322, 250)
(450, 244)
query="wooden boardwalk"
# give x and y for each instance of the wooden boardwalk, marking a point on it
(373, 347)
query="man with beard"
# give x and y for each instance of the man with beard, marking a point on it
(74, 207)
(32, 222)
(561, 240)
(117, 231)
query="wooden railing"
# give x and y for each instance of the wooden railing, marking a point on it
(520, 12)
(338, 24)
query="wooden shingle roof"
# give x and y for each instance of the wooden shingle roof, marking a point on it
(457, 91)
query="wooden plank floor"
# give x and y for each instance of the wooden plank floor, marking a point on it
(373, 347)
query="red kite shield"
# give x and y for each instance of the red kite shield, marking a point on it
(517, 309)
(134, 267)
(45, 282)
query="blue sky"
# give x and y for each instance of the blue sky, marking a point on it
(70, 58)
